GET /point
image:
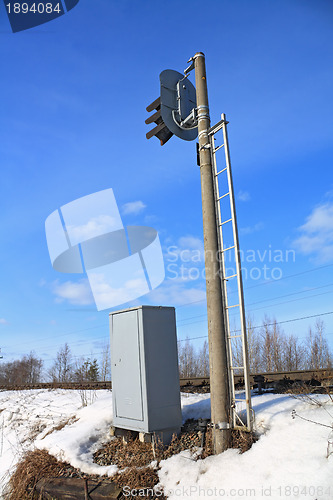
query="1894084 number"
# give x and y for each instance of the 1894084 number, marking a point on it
(35, 8)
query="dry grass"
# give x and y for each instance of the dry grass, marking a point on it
(242, 440)
(134, 458)
(61, 425)
(299, 388)
(306, 395)
(134, 453)
(34, 466)
(137, 478)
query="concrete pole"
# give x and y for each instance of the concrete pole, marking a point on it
(219, 375)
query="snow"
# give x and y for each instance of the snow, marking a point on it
(288, 461)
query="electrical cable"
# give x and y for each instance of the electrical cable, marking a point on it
(194, 302)
(268, 300)
(266, 282)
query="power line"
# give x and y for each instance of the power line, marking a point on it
(268, 300)
(271, 324)
(193, 338)
(297, 319)
(73, 332)
(290, 294)
(266, 282)
(294, 300)
(77, 344)
(289, 276)
(66, 334)
(253, 327)
(104, 338)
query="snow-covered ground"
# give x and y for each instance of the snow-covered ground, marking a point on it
(289, 460)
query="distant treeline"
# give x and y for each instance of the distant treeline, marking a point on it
(269, 348)
(65, 368)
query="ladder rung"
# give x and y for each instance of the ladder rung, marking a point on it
(231, 276)
(230, 307)
(234, 336)
(221, 171)
(237, 368)
(224, 222)
(228, 248)
(223, 196)
(218, 147)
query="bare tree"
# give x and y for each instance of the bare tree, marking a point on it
(318, 353)
(187, 360)
(33, 368)
(273, 346)
(254, 344)
(27, 370)
(269, 350)
(203, 361)
(105, 364)
(294, 354)
(62, 368)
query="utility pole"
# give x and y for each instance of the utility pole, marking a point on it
(219, 374)
(183, 110)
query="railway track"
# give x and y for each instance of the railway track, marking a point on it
(323, 377)
(272, 380)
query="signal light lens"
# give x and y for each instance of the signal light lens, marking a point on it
(161, 131)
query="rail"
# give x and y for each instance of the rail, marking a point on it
(321, 376)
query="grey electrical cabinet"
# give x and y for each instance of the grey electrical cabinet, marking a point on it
(144, 367)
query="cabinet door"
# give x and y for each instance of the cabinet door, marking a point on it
(126, 368)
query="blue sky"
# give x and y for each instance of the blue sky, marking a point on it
(74, 93)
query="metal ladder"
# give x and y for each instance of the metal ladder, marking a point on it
(242, 414)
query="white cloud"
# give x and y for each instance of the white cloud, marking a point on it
(329, 194)
(251, 229)
(107, 296)
(188, 248)
(151, 219)
(243, 196)
(133, 208)
(316, 234)
(175, 293)
(78, 293)
(320, 220)
(3, 321)
(191, 242)
(95, 226)
(184, 263)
